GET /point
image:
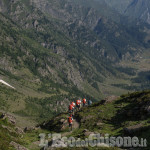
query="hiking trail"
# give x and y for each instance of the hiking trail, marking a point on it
(75, 125)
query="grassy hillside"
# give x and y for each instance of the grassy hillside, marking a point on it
(40, 76)
(127, 115)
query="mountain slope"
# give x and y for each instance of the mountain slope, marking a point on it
(52, 57)
(140, 10)
(78, 25)
(134, 9)
(27, 76)
(127, 115)
(41, 75)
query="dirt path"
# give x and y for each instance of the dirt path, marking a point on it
(75, 124)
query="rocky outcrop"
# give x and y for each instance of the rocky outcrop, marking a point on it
(99, 124)
(11, 119)
(17, 146)
(19, 130)
(29, 129)
(87, 132)
(8, 128)
(111, 99)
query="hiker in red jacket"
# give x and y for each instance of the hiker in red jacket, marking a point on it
(71, 108)
(84, 102)
(73, 104)
(78, 104)
(70, 120)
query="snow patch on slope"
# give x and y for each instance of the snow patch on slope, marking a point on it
(5, 83)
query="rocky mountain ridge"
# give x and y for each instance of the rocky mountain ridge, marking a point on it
(54, 51)
(134, 9)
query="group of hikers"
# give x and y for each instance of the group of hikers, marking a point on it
(76, 107)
